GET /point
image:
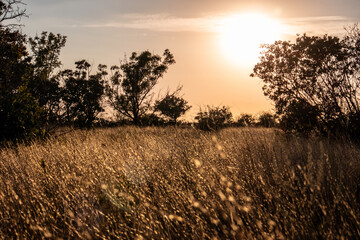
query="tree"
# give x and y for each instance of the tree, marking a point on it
(44, 85)
(26, 91)
(82, 93)
(11, 10)
(20, 115)
(321, 72)
(45, 53)
(172, 106)
(214, 118)
(129, 89)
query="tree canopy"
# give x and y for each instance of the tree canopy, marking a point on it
(82, 93)
(129, 88)
(320, 72)
(20, 114)
(172, 105)
(11, 10)
(45, 83)
(35, 95)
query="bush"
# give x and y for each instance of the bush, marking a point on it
(151, 120)
(267, 120)
(300, 117)
(245, 120)
(21, 117)
(214, 118)
(172, 106)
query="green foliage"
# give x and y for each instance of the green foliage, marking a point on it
(82, 93)
(129, 89)
(319, 71)
(214, 118)
(172, 106)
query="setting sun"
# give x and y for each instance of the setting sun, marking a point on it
(240, 36)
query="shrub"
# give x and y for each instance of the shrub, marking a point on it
(214, 118)
(267, 120)
(172, 106)
(245, 120)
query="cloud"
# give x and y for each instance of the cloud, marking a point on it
(167, 23)
(333, 25)
(160, 22)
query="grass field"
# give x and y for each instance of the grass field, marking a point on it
(180, 183)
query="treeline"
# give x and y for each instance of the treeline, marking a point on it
(314, 84)
(214, 118)
(35, 95)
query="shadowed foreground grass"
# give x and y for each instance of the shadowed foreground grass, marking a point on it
(169, 183)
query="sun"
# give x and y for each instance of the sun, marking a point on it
(241, 35)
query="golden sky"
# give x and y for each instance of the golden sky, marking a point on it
(214, 42)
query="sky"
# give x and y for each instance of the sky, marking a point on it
(215, 43)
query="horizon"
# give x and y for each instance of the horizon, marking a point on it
(202, 35)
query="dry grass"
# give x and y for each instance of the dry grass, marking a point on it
(169, 183)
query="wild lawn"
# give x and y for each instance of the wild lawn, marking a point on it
(173, 183)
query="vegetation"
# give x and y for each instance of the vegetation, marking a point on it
(20, 114)
(82, 93)
(267, 120)
(130, 92)
(313, 82)
(245, 120)
(45, 83)
(180, 183)
(214, 118)
(317, 75)
(11, 10)
(176, 182)
(172, 106)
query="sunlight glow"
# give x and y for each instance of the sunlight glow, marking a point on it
(240, 36)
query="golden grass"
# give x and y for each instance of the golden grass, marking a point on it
(174, 183)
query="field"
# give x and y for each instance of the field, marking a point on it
(180, 183)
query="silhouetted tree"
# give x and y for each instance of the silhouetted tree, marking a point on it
(300, 117)
(44, 85)
(319, 71)
(245, 120)
(83, 93)
(172, 106)
(11, 10)
(20, 115)
(267, 120)
(129, 88)
(214, 118)
(45, 53)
